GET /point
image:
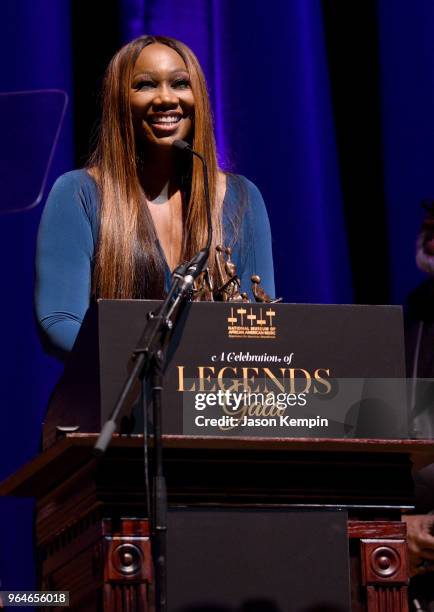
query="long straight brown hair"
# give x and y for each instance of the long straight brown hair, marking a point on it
(128, 263)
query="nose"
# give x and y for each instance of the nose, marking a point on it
(165, 96)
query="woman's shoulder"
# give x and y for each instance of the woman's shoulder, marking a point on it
(76, 190)
(74, 181)
(244, 196)
(73, 200)
(237, 183)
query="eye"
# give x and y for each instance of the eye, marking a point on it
(181, 84)
(144, 84)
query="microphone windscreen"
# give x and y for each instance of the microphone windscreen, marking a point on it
(181, 145)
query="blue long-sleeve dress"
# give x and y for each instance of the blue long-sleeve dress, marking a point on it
(67, 240)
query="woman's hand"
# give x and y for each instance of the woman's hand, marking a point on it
(420, 529)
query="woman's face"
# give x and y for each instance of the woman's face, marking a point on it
(162, 102)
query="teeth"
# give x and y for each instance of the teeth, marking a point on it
(166, 119)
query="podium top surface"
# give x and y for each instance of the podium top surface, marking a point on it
(74, 451)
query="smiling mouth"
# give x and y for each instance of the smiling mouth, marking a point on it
(165, 121)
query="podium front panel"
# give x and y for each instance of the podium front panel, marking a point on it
(257, 561)
(255, 342)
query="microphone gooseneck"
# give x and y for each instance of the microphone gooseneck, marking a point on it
(186, 148)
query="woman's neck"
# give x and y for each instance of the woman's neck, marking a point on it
(157, 174)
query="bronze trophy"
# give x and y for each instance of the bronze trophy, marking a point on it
(229, 285)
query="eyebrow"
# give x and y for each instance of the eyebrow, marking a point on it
(152, 74)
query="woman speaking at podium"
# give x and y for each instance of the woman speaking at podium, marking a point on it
(119, 227)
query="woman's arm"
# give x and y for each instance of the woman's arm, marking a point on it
(65, 249)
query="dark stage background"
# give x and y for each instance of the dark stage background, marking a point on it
(327, 106)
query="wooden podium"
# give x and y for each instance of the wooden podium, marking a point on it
(92, 532)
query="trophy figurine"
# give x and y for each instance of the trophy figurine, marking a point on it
(229, 283)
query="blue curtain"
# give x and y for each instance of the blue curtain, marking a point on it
(35, 51)
(407, 95)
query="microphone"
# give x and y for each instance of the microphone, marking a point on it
(182, 145)
(185, 147)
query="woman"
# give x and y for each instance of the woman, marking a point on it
(119, 227)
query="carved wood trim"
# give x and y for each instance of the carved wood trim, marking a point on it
(383, 564)
(384, 561)
(128, 598)
(387, 600)
(376, 529)
(127, 565)
(101, 560)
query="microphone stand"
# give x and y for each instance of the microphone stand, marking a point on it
(149, 363)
